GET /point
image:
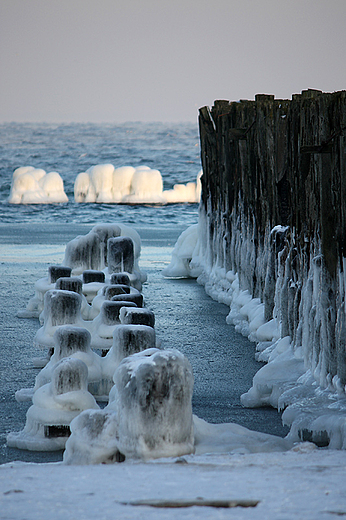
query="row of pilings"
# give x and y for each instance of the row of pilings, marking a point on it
(274, 198)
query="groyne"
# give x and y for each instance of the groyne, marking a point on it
(273, 215)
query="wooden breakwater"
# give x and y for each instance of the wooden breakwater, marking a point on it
(274, 202)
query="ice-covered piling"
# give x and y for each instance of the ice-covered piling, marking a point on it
(54, 406)
(271, 230)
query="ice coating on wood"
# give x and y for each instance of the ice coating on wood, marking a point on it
(122, 278)
(136, 298)
(54, 406)
(90, 251)
(152, 399)
(141, 316)
(297, 321)
(94, 439)
(34, 186)
(91, 275)
(73, 342)
(120, 255)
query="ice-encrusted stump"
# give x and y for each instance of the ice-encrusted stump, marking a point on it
(106, 293)
(104, 324)
(54, 406)
(122, 278)
(69, 341)
(36, 303)
(90, 276)
(152, 399)
(93, 282)
(71, 283)
(137, 316)
(127, 340)
(136, 298)
(90, 251)
(94, 439)
(58, 271)
(60, 308)
(120, 256)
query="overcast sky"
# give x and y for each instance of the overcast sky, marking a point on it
(160, 60)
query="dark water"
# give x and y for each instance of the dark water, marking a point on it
(33, 237)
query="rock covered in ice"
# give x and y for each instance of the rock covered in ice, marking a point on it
(34, 186)
(54, 406)
(152, 399)
(190, 192)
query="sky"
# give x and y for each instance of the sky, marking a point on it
(160, 60)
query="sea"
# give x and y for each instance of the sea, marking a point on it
(32, 237)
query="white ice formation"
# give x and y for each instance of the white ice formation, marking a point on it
(89, 254)
(34, 186)
(292, 320)
(128, 185)
(55, 404)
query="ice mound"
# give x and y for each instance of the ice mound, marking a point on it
(127, 340)
(128, 185)
(35, 186)
(190, 192)
(182, 254)
(55, 405)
